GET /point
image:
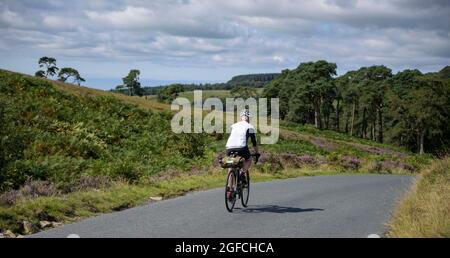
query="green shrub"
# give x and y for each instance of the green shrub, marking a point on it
(190, 145)
(126, 170)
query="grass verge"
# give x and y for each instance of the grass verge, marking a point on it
(425, 212)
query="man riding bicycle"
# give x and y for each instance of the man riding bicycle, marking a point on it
(237, 142)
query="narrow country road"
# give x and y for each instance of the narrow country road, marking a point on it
(323, 206)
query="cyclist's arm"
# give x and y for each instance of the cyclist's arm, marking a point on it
(252, 135)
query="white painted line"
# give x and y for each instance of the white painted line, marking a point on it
(73, 236)
(373, 236)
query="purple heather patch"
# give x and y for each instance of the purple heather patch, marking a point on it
(352, 163)
(326, 145)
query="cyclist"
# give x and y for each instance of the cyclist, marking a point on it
(237, 142)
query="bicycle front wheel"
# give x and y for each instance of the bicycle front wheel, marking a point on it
(230, 191)
(245, 191)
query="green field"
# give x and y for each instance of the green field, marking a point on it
(221, 94)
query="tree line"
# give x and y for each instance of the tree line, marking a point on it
(131, 84)
(408, 108)
(252, 80)
(49, 69)
(249, 80)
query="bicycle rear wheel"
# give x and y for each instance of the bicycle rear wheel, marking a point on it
(245, 190)
(230, 192)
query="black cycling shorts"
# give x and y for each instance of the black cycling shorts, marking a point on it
(243, 152)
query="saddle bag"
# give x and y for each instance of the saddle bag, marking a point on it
(230, 162)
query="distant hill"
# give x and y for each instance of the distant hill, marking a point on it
(253, 80)
(247, 80)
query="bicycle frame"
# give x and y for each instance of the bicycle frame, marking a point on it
(234, 188)
(237, 174)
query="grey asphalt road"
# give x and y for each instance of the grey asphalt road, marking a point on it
(325, 206)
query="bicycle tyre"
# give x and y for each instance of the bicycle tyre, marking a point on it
(245, 191)
(230, 194)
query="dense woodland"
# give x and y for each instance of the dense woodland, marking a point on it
(252, 80)
(408, 108)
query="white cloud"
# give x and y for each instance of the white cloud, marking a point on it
(130, 17)
(217, 58)
(278, 59)
(10, 18)
(60, 23)
(179, 20)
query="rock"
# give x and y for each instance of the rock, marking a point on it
(27, 227)
(1, 236)
(9, 234)
(56, 224)
(20, 236)
(45, 224)
(156, 198)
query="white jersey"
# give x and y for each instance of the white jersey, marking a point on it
(239, 134)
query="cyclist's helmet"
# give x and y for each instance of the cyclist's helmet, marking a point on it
(246, 113)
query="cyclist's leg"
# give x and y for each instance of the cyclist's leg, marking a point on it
(230, 184)
(248, 159)
(246, 166)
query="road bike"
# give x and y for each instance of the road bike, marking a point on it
(238, 183)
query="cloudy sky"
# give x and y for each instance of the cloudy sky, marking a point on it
(210, 41)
